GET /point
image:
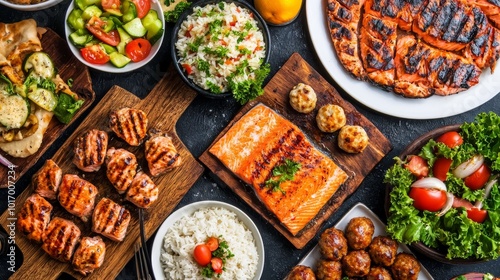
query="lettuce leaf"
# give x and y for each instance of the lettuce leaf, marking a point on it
(484, 134)
(66, 107)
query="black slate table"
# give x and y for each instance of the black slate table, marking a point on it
(205, 118)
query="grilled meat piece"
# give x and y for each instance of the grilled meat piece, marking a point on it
(47, 180)
(89, 255)
(77, 196)
(129, 124)
(485, 49)
(301, 272)
(161, 154)
(60, 238)
(491, 9)
(110, 219)
(90, 150)
(34, 217)
(143, 192)
(121, 168)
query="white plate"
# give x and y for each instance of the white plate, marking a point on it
(387, 102)
(359, 210)
(34, 7)
(189, 209)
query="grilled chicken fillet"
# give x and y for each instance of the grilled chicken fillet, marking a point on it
(60, 239)
(47, 180)
(90, 150)
(143, 192)
(89, 255)
(110, 219)
(129, 124)
(121, 167)
(34, 217)
(161, 154)
(77, 196)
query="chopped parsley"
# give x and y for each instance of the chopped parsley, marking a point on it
(220, 51)
(194, 46)
(203, 65)
(221, 252)
(281, 173)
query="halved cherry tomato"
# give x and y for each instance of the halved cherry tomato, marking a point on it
(441, 167)
(112, 6)
(188, 68)
(477, 215)
(428, 199)
(217, 265)
(138, 49)
(95, 54)
(95, 25)
(451, 139)
(417, 166)
(477, 179)
(202, 254)
(212, 243)
(142, 6)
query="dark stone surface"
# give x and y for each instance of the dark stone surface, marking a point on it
(205, 118)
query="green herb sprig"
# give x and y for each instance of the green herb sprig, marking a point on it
(281, 173)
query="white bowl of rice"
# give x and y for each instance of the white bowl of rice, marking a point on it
(175, 240)
(216, 43)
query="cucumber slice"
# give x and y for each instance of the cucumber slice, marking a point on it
(135, 28)
(75, 19)
(40, 65)
(91, 11)
(14, 110)
(44, 98)
(124, 40)
(129, 11)
(154, 26)
(80, 40)
(109, 49)
(119, 60)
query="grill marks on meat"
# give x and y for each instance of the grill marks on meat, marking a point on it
(77, 196)
(110, 219)
(47, 180)
(485, 49)
(121, 168)
(89, 255)
(143, 192)
(34, 217)
(161, 154)
(491, 8)
(90, 150)
(129, 124)
(262, 140)
(60, 238)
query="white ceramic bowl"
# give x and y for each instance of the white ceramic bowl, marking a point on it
(108, 67)
(191, 208)
(34, 7)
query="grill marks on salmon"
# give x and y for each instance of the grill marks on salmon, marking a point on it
(161, 154)
(90, 150)
(60, 239)
(129, 124)
(34, 217)
(121, 168)
(77, 196)
(262, 140)
(491, 8)
(110, 219)
(47, 180)
(143, 192)
(89, 255)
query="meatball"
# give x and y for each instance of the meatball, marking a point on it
(353, 139)
(330, 118)
(378, 273)
(303, 98)
(356, 263)
(333, 244)
(383, 250)
(301, 272)
(405, 267)
(359, 232)
(329, 270)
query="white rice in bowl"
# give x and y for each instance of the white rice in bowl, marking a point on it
(187, 232)
(218, 43)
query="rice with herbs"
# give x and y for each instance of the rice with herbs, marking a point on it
(179, 242)
(218, 44)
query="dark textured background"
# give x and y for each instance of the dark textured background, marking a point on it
(205, 118)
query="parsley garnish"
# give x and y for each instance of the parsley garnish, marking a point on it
(203, 65)
(251, 88)
(194, 46)
(221, 252)
(173, 16)
(281, 173)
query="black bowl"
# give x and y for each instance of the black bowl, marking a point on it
(260, 23)
(413, 149)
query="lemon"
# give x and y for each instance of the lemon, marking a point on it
(278, 12)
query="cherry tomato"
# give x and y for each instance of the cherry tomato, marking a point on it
(138, 49)
(477, 215)
(212, 243)
(142, 6)
(112, 6)
(417, 166)
(428, 199)
(441, 167)
(217, 265)
(188, 68)
(95, 54)
(451, 139)
(477, 179)
(96, 26)
(202, 254)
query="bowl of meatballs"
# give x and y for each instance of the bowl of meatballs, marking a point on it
(357, 246)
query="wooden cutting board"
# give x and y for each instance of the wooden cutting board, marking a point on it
(357, 166)
(163, 105)
(69, 67)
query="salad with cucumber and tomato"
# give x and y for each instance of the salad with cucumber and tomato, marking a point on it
(116, 31)
(447, 195)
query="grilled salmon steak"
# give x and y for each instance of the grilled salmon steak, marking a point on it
(161, 154)
(77, 196)
(47, 180)
(90, 150)
(129, 124)
(89, 255)
(261, 141)
(60, 239)
(34, 217)
(143, 192)
(110, 219)
(121, 168)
